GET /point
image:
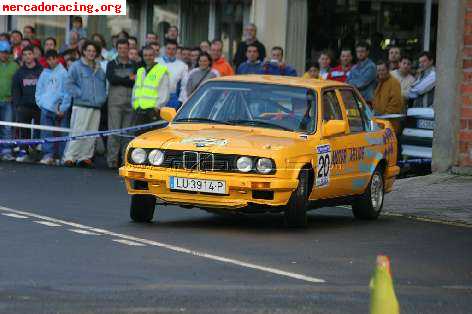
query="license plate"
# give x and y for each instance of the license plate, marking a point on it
(425, 124)
(198, 185)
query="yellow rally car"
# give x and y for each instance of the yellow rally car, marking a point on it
(264, 144)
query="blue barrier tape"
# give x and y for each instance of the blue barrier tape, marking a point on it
(94, 134)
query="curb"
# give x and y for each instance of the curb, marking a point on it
(432, 220)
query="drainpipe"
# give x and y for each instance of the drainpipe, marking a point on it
(427, 24)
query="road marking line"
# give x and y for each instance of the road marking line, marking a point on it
(458, 287)
(47, 223)
(172, 247)
(127, 242)
(15, 216)
(80, 231)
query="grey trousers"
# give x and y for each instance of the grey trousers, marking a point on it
(82, 119)
(120, 115)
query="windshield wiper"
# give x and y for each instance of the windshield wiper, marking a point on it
(260, 123)
(202, 120)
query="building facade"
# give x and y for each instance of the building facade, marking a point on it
(304, 28)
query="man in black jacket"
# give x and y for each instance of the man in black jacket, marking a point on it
(120, 75)
(250, 32)
(23, 97)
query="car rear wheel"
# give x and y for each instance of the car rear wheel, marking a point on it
(142, 207)
(295, 210)
(369, 205)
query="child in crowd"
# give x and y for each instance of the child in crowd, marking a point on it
(54, 102)
(325, 64)
(77, 26)
(312, 71)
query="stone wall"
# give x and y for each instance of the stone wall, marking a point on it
(447, 102)
(465, 132)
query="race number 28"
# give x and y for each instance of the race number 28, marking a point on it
(323, 166)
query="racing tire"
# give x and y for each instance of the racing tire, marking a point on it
(142, 208)
(295, 210)
(369, 205)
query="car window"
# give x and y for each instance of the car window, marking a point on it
(331, 107)
(284, 107)
(366, 114)
(229, 105)
(353, 111)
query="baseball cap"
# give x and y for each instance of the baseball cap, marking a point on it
(4, 46)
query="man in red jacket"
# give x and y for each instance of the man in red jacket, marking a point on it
(50, 44)
(340, 72)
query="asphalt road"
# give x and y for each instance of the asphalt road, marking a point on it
(67, 245)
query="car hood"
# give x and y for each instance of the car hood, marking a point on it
(219, 139)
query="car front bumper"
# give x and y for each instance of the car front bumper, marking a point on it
(240, 188)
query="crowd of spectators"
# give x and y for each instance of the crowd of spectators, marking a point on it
(389, 86)
(85, 86)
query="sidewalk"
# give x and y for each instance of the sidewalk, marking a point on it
(437, 196)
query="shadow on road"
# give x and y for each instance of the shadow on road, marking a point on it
(267, 223)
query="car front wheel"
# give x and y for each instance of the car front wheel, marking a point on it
(142, 207)
(369, 205)
(295, 210)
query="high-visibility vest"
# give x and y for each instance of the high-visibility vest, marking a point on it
(145, 92)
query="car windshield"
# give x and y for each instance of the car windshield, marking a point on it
(252, 104)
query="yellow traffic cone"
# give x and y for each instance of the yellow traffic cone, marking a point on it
(382, 295)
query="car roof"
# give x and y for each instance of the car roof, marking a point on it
(281, 80)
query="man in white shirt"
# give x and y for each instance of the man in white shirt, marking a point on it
(394, 58)
(177, 71)
(422, 90)
(325, 64)
(403, 75)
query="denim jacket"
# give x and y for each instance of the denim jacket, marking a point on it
(86, 85)
(50, 91)
(363, 76)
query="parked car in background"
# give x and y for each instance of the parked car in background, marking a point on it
(416, 141)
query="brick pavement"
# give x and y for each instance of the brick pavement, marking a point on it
(438, 196)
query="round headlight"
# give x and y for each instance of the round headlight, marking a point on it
(138, 156)
(156, 157)
(264, 165)
(244, 164)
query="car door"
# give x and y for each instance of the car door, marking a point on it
(329, 180)
(363, 151)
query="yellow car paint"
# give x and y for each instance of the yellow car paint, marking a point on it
(351, 156)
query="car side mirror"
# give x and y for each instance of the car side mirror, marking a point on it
(167, 113)
(334, 127)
